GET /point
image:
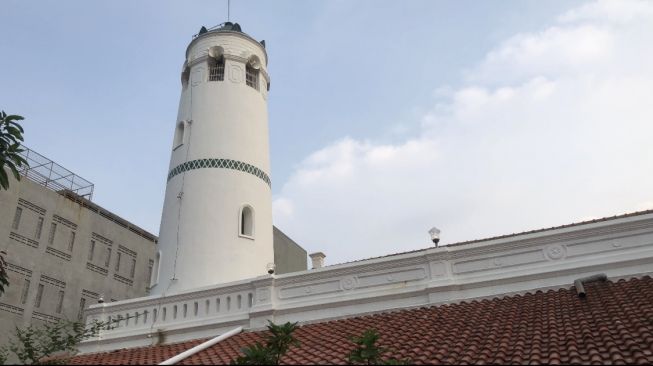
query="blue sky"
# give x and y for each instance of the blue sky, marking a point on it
(386, 117)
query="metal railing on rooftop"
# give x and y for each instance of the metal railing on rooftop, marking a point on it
(227, 26)
(51, 175)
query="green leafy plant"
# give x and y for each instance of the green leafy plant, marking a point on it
(4, 276)
(11, 136)
(50, 343)
(368, 353)
(277, 344)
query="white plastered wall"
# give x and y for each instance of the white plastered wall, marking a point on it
(199, 235)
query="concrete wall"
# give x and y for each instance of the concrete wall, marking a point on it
(288, 255)
(48, 256)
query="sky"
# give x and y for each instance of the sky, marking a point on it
(386, 117)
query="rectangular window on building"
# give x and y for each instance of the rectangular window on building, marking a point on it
(39, 295)
(82, 305)
(39, 228)
(17, 215)
(23, 295)
(150, 267)
(60, 302)
(133, 269)
(108, 258)
(216, 69)
(252, 77)
(53, 229)
(91, 251)
(71, 242)
(118, 262)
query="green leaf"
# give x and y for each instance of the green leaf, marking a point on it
(13, 117)
(15, 172)
(18, 126)
(4, 180)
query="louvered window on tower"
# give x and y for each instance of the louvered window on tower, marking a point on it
(252, 77)
(216, 69)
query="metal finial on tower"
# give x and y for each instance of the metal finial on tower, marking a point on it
(228, 9)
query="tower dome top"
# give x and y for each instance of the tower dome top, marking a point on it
(223, 27)
(226, 28)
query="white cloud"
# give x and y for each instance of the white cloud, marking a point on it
(610, 11)
(550, 127)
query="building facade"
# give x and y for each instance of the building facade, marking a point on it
(64, 252)
(620, 247)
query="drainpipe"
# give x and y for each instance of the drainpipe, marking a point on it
(580, 289)
(201, 347)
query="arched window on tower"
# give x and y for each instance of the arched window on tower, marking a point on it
(246, 222)
(185, 76)
(156, 270)
(252, 71)
(179, 135)
(216, 68)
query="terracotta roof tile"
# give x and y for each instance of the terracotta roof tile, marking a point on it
(612, 325)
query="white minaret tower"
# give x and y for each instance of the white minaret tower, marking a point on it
(216, 225)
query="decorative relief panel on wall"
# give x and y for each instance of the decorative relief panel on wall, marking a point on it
(235, 73)
(310, 289)
(45, 317)
(58, 253)
(399, 276)
(52, 281)
(31, 206)
(348, 283)
(23, 240)
(101, 239)
(555, 252)
(438, 269)
(11, 309)
(197, 76)
(507, 260)
(60, 220)
(263, 295)
(604, 246)
(90, 294)
(97, 269)
(122, 279)
(19, 270)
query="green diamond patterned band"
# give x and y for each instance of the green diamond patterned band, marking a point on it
(220, 163)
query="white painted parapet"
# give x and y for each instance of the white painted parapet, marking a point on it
(620, 248)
